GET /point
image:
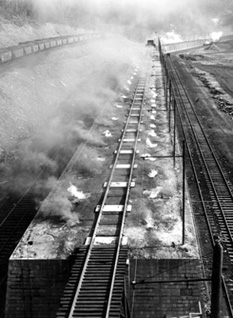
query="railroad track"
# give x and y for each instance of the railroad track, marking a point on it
(17, 212)
(97, 282)
(215, 188)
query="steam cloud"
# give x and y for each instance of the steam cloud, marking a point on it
(133, 18)
(69, 123)
(138, 19)
(79, 119)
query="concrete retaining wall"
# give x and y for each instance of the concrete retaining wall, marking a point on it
(173, 47)
(34, 287)
(168, 48)
(165, 299)
(11, 53)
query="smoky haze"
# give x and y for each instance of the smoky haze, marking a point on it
(82, 82)
(54, 105)
(138, 19)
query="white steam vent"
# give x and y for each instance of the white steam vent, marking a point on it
(152, 173)
(215, 36)
(107, 133)
(152, 117)
(152, 133)
(118, 106)
(76, 193)
(171, 37)
(149, 144)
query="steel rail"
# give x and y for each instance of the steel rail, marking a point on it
(206, 138)
(208, 173)
(202, 201)
(125, 206)
(92, 240)
(213, 184)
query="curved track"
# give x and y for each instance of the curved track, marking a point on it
(215, 188)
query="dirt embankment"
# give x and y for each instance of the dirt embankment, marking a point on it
(212, 65)
(210, 83)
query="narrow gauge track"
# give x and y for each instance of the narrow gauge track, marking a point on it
(215, 188)
(96, 285)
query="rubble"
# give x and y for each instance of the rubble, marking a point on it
(222, 99)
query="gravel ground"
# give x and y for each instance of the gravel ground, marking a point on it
(154, 229)
(211, 77)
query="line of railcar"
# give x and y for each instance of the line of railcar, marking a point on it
(32, 47)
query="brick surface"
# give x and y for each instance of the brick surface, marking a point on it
(34, 287)
(160, 299)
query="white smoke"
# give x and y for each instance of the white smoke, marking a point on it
(171, 37)
(73, 190)
(215, 36)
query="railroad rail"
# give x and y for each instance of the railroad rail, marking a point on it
(214, 187)
(97, 282)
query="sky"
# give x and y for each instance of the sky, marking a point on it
(135, 17)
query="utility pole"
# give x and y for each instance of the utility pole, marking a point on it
(174, 133)
(183, 193)
(216, 280)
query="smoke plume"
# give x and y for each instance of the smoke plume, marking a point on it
(57, 119)
(133, 18)
(138, 19)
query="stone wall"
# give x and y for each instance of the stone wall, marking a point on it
(164, 299)
(34, 287)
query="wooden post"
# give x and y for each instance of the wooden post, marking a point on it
(169, 117)
(166, 93)
(183, 194)
(174, 135)
(216, 280)
(169, 106)
(165, 87)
